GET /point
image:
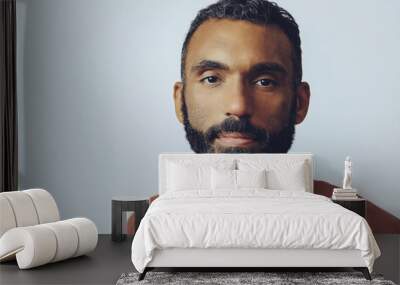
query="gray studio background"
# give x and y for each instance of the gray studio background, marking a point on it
(95, 96)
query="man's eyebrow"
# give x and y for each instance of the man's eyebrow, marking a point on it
(255, 70)
(208, 64)
(267, 68)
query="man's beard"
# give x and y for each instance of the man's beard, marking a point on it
(268, 142)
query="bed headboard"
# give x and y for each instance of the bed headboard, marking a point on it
(164, 158)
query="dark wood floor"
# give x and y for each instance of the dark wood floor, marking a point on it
(110, 259)
(103, 266)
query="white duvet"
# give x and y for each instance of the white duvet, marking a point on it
(251, 218)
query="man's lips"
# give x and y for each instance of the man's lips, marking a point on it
(234, 139)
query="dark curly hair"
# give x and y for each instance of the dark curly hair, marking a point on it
(261, 12)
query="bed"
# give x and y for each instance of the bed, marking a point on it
(246, 211)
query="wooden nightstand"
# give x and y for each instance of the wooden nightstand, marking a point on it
(358, 206)
(122, 204)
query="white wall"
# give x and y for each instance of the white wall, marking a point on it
(95, 95)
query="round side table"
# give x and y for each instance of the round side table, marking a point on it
(121, 204)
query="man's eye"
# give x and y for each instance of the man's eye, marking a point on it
(266, 82)
(210, 80)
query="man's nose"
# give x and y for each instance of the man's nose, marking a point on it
(238, 101)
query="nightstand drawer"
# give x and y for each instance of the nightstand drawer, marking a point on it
(357, 206)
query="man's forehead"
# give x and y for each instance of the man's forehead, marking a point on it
(239, 44)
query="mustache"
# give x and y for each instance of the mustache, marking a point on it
(242, 125)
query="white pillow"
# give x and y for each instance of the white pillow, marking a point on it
(185, 177)
(223, 179)
(285, 174)
(291, 178)
(251, 178)
(237, 179)
(183, 174)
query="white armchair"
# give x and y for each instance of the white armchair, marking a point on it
(32, 233)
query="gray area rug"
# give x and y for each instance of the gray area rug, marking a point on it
(226, 278)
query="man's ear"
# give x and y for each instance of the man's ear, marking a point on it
(303, 101)
(178, 93)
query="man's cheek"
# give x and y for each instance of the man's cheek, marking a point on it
(280, 119)
(273, 114)
(201, 114)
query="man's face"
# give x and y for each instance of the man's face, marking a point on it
(238, 94)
